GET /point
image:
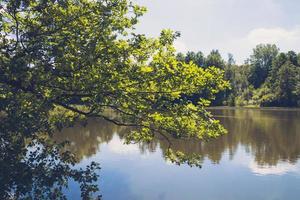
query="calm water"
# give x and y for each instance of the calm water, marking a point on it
(258, 159)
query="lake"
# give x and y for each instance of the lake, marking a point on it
(258, 159)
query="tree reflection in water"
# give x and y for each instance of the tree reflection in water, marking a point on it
(270, 135)
(35, 167)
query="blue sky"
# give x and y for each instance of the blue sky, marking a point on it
(232, 26)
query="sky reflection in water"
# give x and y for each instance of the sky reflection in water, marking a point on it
(258, 159)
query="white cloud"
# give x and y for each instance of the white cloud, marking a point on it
(247, 160)
(279, 169)
(283, 37)
(116, 145)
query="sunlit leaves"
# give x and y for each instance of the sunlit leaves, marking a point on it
(78, 59)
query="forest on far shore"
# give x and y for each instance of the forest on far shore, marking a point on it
(267, 78)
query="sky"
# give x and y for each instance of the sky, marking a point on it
(232, 26)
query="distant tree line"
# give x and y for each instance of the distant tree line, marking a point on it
(267, 78)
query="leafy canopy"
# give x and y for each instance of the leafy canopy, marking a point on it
(82, 57)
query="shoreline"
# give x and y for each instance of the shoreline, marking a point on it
(254, 108)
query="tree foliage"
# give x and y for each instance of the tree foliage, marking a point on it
(65, 60)
(261, 62)
(215, 59)
(268, 78)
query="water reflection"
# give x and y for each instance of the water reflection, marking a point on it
(37, 168)
(85, 140)
(258, 159)
(270, 136)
